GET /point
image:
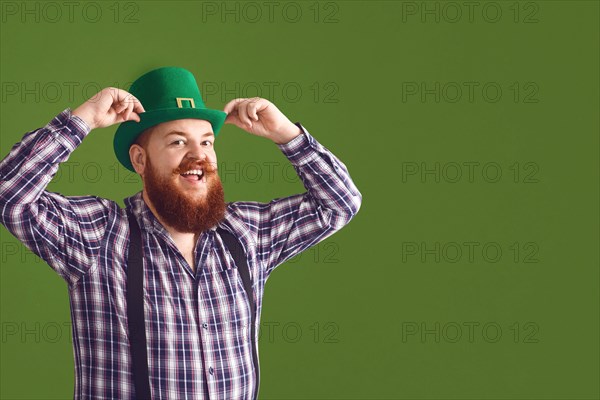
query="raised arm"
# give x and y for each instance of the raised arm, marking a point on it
(64, 231)
(287, 226)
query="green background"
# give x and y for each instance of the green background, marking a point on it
(356, 295)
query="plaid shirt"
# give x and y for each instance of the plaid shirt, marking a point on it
(197, 324)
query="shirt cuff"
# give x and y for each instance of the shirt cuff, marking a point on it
(68, 129)
(301, 149)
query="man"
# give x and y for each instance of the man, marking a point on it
(197, 314)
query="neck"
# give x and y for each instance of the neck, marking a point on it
(175, 234)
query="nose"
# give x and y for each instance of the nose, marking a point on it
(196, 158)
(196, 151)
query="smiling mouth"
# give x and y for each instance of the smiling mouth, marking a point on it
(196, 175)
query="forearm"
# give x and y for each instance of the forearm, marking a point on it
(26, 171)
(324, 176)
(64, 231)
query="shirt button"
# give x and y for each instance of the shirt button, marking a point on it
(205, 325)
(211, 370)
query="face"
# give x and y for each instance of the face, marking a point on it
(178, 165)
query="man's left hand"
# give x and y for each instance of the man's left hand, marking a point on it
(260, 117)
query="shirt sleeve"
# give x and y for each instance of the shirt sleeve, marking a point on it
(287, 226)
(64, 231)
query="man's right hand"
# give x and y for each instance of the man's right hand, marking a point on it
(108, 107)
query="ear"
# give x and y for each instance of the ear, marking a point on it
(138, 157)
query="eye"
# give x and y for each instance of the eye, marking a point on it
(178, 140)
(208, 141)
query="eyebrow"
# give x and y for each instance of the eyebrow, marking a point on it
(207, 134)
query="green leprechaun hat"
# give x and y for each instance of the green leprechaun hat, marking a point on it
(167, 94)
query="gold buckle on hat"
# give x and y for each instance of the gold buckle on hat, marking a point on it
(180, 99)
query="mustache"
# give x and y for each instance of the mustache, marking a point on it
(206, 166)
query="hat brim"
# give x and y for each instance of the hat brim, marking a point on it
(128, 131)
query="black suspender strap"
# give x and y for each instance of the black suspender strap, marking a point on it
(236, 250)
(135, 311)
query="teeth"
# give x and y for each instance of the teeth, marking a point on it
(194, 171)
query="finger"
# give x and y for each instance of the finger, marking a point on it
(135, 116)
(243, 113)
(124, 98)
(138, 107)
(253, 107)
(228, 119)
(121, 97)
(120, 117)
(232, 105)
(232, 118)
(262, 105)
(114, 94)
(125, 112)
(120, 106)
(130, 109)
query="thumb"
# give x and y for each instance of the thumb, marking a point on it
(231, 119)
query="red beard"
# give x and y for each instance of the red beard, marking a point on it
(186, 212)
